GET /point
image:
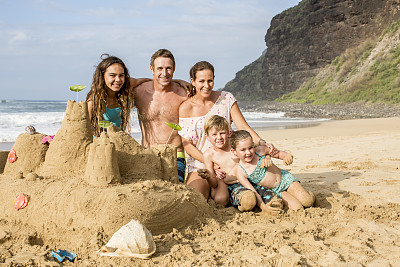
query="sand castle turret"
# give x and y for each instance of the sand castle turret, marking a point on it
(102, 166)
(134, 161)
(167, 154)
(30, 154)
(67, 154)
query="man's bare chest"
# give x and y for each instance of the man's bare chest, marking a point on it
(158, 109)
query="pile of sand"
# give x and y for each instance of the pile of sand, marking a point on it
(85, 191)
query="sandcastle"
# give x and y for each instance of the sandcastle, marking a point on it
(114, 157)
(87, 183)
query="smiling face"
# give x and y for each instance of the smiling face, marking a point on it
(218, 138)
(114, 77)
(204, 82)
(163, 70)
(244, 150)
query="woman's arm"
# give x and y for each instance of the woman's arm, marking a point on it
(240, 122)
(193, 151)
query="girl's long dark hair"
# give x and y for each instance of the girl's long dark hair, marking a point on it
(98, 94)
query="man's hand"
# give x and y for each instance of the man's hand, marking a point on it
(288, 159)
(203, 173)
(266, 162)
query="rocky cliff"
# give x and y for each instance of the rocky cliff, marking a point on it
(304, 39)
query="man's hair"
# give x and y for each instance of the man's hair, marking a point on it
(238, 136)
(217, 122)
(162, 53)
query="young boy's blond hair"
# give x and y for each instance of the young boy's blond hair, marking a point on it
(217, 122)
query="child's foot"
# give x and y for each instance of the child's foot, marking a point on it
(247, 201)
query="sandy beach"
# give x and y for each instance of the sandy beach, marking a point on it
(352, 166)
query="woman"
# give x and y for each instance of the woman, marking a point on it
(203, 102)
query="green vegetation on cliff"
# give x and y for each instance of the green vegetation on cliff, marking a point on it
(368, 73)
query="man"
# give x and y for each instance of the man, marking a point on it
(158, 102)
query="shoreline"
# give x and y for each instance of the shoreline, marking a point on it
(343, 111)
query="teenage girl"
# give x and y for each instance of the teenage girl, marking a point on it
(111, 97)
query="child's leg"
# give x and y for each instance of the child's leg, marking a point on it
(290, 201)
(220, 194)
(198, 183)
(243, 198)
(307, 199)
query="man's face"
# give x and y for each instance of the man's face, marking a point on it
(163, 70)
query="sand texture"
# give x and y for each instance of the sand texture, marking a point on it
(352, 166)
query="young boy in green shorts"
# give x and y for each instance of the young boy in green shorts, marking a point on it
(229, 188)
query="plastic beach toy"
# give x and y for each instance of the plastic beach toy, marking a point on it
(12, 156)
(21, 201)
(47, 139)
(61, 255)
(131, 240)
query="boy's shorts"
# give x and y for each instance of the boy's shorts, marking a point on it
(181, 164)
(236, 191)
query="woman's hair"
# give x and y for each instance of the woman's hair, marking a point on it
(238, 136)
(201, 65)
(98, 94)
(217, 122)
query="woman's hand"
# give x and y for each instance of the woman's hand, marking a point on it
(288, 159)
(266, 162)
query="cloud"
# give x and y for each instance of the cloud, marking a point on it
(18, 36)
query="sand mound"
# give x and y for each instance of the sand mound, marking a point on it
(30, 154)
(67, 154)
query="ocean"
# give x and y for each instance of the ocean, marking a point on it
(46, 116)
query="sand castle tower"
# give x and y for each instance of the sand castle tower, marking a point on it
(30, 154)
(67, 154)
(102, 166)
(134, 161)
(167, 154)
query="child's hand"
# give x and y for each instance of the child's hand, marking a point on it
(203, 173)
(288, 159)
(219, 172)
(266, 162)
(272, 207)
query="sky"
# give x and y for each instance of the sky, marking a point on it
(46, 46)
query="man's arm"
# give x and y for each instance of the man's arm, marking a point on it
(136, 82)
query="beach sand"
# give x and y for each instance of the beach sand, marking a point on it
(352, 166)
